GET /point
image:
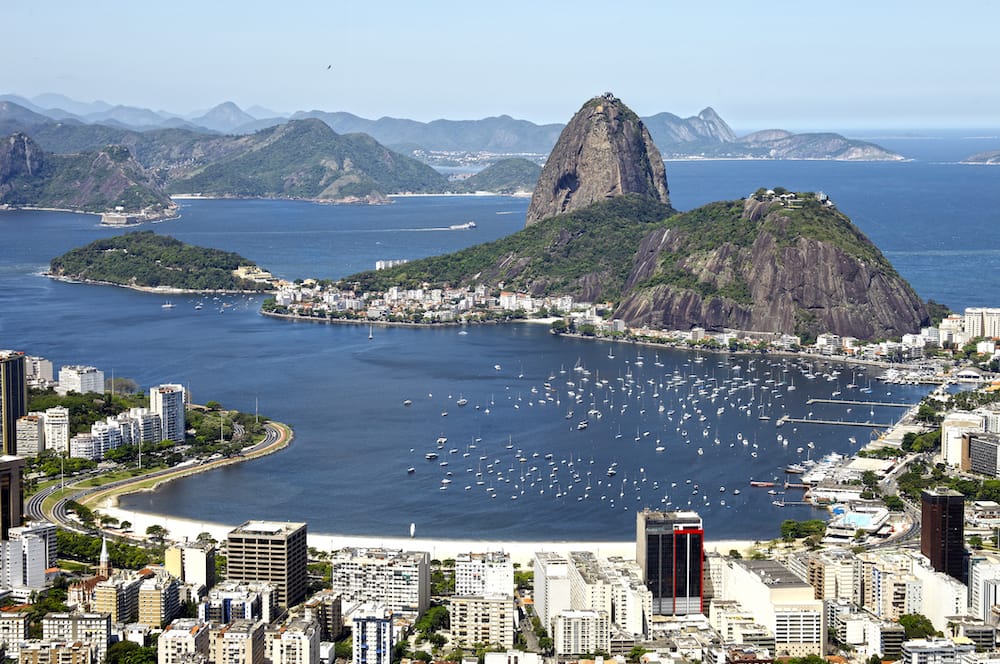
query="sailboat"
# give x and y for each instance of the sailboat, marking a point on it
(371, 332)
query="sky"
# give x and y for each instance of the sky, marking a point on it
(833, 65)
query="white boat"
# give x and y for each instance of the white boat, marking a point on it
(168, 305)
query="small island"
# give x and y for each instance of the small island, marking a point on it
(147, 261)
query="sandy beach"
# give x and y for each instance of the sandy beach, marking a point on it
(180, 530)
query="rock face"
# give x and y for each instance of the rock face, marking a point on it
(768, 266)
(20, 158)
(605, 151)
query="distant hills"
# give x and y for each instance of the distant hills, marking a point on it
(94, 181)
(990, 157)
(705, 135)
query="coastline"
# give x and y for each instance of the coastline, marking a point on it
(180, 529)
(161, 290)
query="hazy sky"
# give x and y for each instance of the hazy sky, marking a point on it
(838, 64)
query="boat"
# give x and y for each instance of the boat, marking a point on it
(582, 424)
(430, 456)
(407, 402)
(198, 306)
(411, 470)
(168, 305)
(462, 227)
(795, 468)
(760, 483)
(462, 401)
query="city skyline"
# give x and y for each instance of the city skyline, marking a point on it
(894, 65)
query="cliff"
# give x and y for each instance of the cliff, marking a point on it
(91, 181)
(770, 263)
(605, 151)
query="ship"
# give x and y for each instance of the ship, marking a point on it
(462, 227)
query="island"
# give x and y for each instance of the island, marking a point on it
(148, 261)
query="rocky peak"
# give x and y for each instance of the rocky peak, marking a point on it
(19, 156)
(713, 126)
(605, 151)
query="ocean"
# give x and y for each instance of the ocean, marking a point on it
(347, 469)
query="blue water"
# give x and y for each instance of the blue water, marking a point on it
(346, 471)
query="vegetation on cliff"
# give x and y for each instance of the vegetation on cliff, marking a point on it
(587, 254)
(145, 259)
(91, 181)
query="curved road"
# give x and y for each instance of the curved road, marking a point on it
(274, 437)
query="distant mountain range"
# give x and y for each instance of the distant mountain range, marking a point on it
(705, 135)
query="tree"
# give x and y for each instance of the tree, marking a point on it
(976, 542)
(559, 326)
(156, 532)
(917, 626)
(636, 653)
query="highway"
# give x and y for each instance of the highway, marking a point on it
(60, 516)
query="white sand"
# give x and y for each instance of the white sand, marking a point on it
(521, 552)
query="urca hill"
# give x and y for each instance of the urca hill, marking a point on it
(600, 228)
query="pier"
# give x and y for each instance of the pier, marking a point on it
(848, 402)
(843, 423)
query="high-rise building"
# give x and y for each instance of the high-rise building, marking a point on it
(30, 435)
(273, 552)
(159, 600)
(11, 493)
(80, 379)
(942, 530)
(295, 642)
(240, 642)
(479, 574)
(372, 635)
(13, 398)
(57, 429)
(392, 578)
(26, 555)
(167, 401)
(181, 639)
(193, 564)
(670, 551)
(92, 628)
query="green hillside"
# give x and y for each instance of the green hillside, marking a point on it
(145, 259)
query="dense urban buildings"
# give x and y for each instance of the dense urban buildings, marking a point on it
(272, 552)
(942, 528)
(670, 550)
(397, 580)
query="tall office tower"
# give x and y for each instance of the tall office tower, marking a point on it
(273, 552)
(13, 398)
(942, 531)
(11, 494)
(670, 550)
(167, 401)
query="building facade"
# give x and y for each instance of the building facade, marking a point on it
(167, 401)
(670, 551)
(942, 531)
(271, 552)
(391, 578)
(13, 398)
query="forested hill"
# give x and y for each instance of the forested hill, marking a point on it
(147, 260)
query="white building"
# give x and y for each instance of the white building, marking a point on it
(38, 371)
(167, 401)
(942, 597)
(934, 651)
(57, 429)
(31, 434)
(92, 628)
(372, 636)
(479, 574)
(13, 630)
(780, 601)
(80, 379)
(232, 600)
(581, 632)
(488, 620)
(953, 427)
(552, 586)
(395, 579)
(182, 639)
(27, 553)
(296, 642)
(512, 657)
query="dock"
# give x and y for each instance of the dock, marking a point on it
(848, 402)
(843, 423)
